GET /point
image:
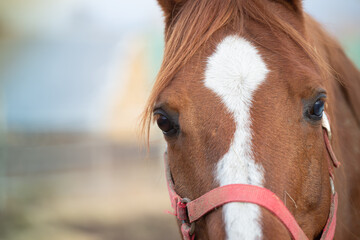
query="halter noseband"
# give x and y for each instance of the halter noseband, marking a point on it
(188, 211)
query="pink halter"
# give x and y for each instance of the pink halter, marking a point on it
(188, 211)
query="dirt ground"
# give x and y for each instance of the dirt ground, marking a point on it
(84, 188)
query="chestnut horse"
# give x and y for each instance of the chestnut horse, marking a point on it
(242, 96)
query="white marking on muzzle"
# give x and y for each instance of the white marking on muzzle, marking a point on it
(234, 72)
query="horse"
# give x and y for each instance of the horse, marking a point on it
(258, 105)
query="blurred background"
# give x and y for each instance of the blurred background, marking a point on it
(74, 76)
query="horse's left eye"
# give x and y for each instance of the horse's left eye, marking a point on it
(317, 110)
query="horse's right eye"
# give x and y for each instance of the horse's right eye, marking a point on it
(166, 125)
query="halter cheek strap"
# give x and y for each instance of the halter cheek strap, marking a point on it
(189, 211)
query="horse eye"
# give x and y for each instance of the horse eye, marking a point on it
(164, 123)
(317, 109)
(167, 124)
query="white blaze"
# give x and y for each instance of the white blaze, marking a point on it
(234, 72)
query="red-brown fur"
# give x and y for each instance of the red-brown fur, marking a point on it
(290, 149)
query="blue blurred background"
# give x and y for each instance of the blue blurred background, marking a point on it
(74, 76)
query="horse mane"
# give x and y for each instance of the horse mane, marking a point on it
(195, 23)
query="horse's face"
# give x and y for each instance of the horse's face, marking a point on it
(248, 112)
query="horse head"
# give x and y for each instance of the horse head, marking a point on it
(242, 97)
